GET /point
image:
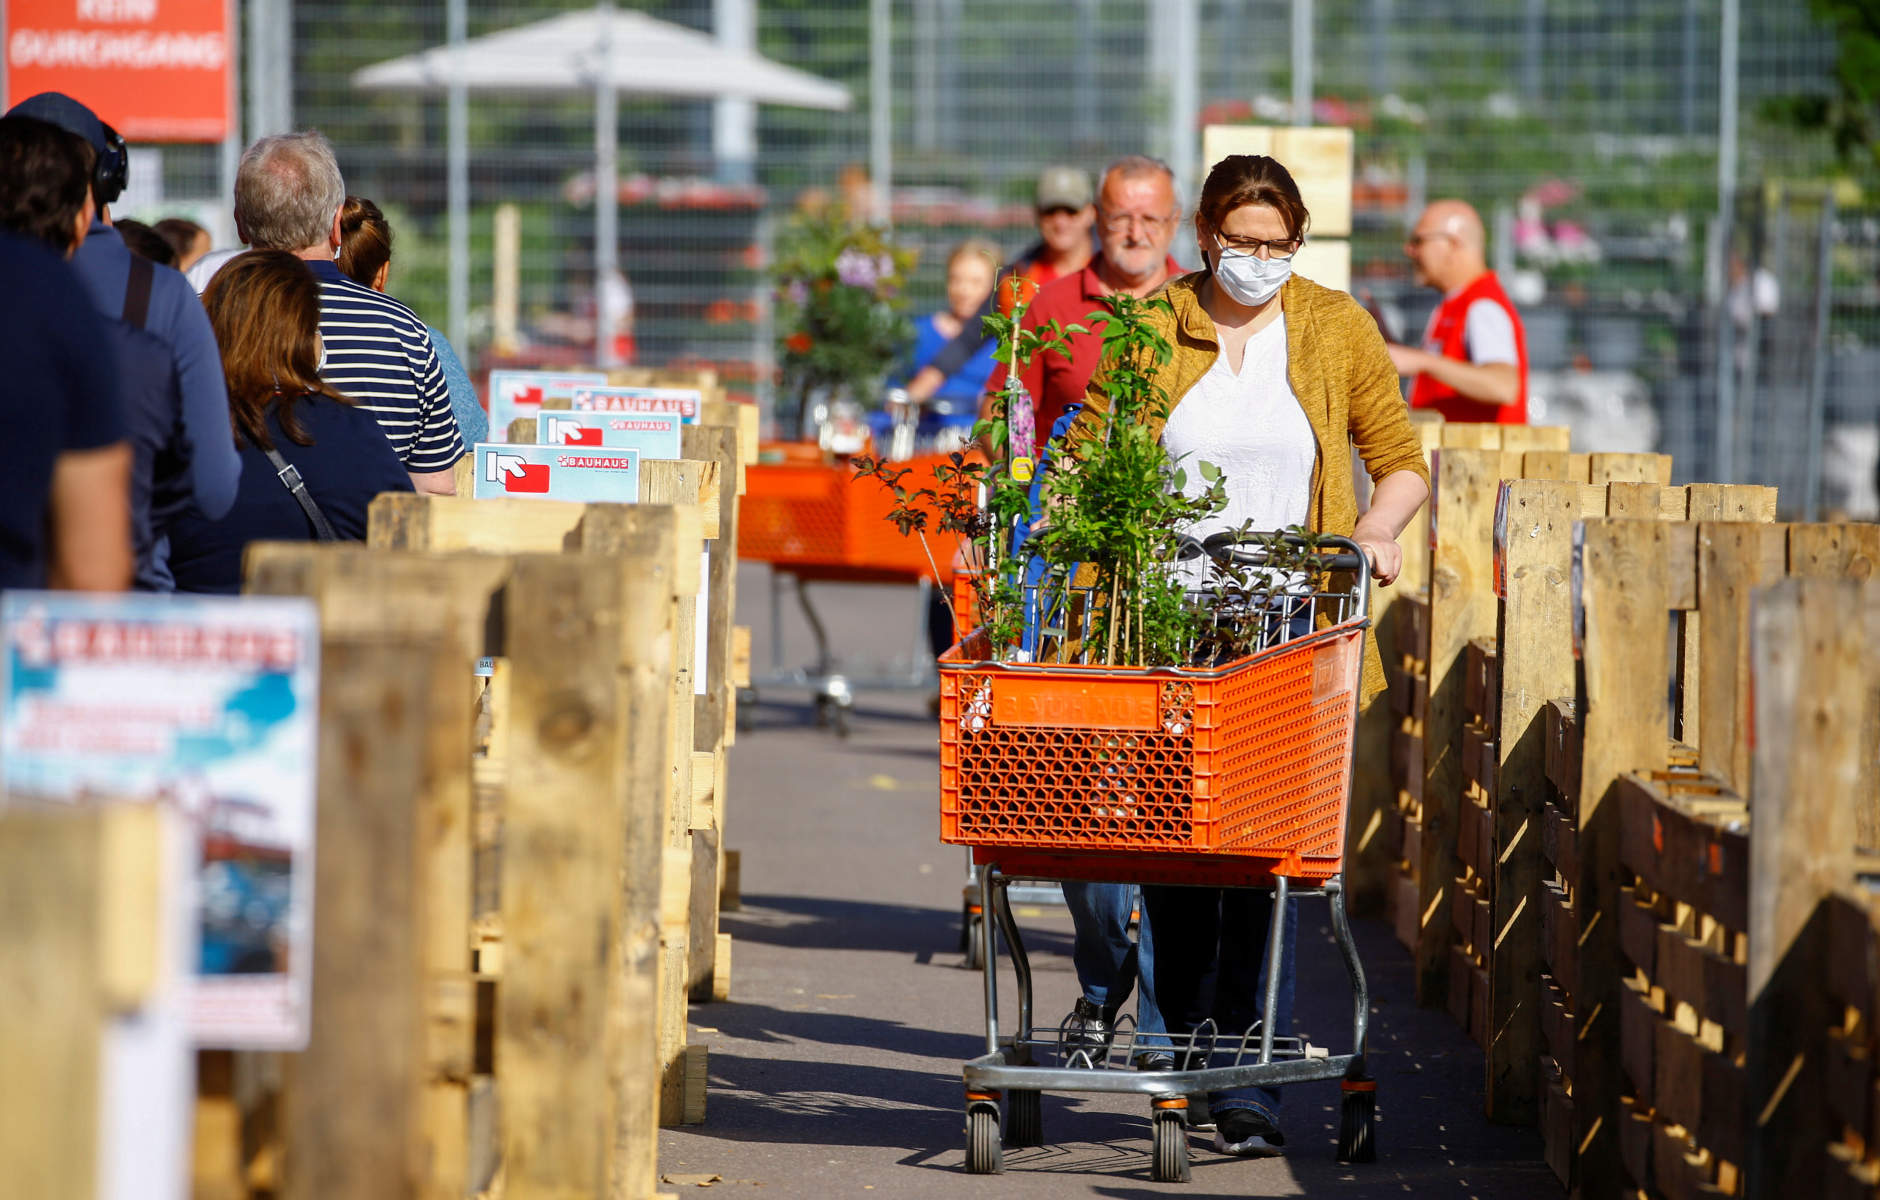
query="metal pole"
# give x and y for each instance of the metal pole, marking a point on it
(1302, 62)
(1726, 211)
(1818, 367)
(260, 26)
(880, 110)
(606, 191)
(925, 64)
(1083, 82)
(283, 67)
(1531, 62)
(1184, 104)
(457, 178)
(228, 159)
(734, 119)
(1384, 82)
(1687, 86)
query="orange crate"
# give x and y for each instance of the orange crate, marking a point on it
(1231, 774)
(965, 603)
(818, 516)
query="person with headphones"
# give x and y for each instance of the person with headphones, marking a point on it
(169, 367)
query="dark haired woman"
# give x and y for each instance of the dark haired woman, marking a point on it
(365, 257)
(265, 307)
(1273, 379)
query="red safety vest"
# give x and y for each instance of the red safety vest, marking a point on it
(1447, 337)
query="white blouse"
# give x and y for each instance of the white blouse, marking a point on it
(1250, 425)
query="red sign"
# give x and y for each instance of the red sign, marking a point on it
(529, 478)
(567, 433)
(154, 70)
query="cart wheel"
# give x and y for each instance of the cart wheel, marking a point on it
(975, 943)
(1357, 1121)
(1024, 1118)
(747, 700)
(1170, 1147)
(984, 1156)
(822, 711)
(839, 719)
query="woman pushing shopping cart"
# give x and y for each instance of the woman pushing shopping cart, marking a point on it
(1082, 740)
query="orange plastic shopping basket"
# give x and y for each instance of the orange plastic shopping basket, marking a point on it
(817, 518)
(1225, 775)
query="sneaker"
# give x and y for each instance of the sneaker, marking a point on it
(1087, 1028)
(1245, 1132)
(1199, 1116)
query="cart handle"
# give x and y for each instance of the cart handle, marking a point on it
(1220, 546)
(1350, 556)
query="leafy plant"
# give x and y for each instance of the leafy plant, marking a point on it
(840, 308)
(1095, 580)
(1117, 508)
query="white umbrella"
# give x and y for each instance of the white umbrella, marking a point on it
(573, 51)
(607, 51)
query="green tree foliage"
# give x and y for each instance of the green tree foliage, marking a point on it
(1850, 113)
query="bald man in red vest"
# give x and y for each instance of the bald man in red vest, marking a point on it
(1473, 363)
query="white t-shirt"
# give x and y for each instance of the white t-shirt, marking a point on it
(204, 268)
(1249, 425)
(1489, 334)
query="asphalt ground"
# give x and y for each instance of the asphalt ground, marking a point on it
(835, 1067)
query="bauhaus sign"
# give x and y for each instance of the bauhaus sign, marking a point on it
(155, 70)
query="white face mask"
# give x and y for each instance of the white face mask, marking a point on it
(1250, 281)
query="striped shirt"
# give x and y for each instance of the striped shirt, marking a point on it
(379, 354)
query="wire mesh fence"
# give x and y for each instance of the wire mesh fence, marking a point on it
(1586, 132)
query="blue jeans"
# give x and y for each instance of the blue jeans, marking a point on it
(1213, 965)
(1108, 963)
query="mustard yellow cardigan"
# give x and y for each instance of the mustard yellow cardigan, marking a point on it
(1345, 381)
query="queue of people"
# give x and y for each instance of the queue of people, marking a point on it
(297, 389)
(274, 405)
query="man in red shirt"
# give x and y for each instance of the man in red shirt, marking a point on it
(1137, 215)
(1065, 215)
(1473, 364)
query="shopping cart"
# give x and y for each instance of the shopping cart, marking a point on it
(1236, 775)
(812, 520)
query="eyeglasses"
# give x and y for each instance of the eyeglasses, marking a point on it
(1124, 222)
(1280, 248)
(1417, 239)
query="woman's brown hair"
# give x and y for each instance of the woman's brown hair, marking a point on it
(365, 240)
(1242, 179)
(264, 306)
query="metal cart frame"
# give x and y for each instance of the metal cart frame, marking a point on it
(1009, 1078)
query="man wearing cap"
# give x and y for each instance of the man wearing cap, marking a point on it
(169, 367)
(1062, 202)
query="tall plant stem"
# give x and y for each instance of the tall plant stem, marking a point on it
(1109, 649)
(946, 594)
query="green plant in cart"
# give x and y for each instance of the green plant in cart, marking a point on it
(980, 503)
(1116, 507)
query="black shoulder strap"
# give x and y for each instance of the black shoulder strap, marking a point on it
(137, 291)
(291, 480)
